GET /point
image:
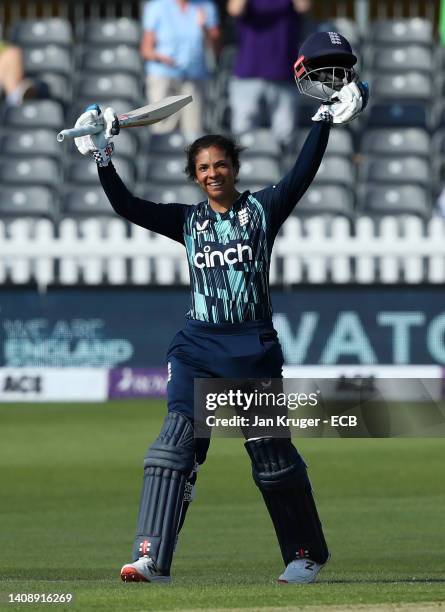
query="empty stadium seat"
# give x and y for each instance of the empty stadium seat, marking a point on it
(162, 170)
(335, 170)
(398, 115)
(120, 31)
(111, 59)
(30, 171)
(33, 32)
(51, 58)
(36, 114)
(259, 170)
(329, 200)
(117, 85)
(405, 86)
(259, 142)
(401, 58)
(20, 201)
(167, 144)
(398, 170)
(82, 170)
(28, 142)
(85, 201)
(409, 141)
(395, 31)
(340, 142)
(394, 199)
(182, 194)
(59, 87)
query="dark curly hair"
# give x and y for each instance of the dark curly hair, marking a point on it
(228, 145)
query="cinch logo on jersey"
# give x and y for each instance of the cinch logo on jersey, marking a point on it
(232, 255)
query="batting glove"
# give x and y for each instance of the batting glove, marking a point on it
(346, 104)
(323, 114)
(98, 145)
(352, 99)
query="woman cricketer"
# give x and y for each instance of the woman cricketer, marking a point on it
(228, 238)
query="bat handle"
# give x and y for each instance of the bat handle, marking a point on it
(85, 130)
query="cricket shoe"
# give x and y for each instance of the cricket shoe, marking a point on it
(300, 571)
(143, 570)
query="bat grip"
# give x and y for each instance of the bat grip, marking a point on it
(85, 130)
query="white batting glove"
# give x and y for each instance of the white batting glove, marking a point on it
(346, 103)
(323, 114)
(352, 99)
(99, 144)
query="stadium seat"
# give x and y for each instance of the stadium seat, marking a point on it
(83, 170)
(398, 115)
(34, 32)
(165, 169)
(36, 114)
(259, 170)
(117, 85)
(85, 201)
(396, 31)
(30, 171)
(59, 87)
(340, 142)
(402, 170)
(112, 31)
(404, 86)
(51, 58)
(396, 199)
(335, 170)
(122, 58)
(329, 200)
(20, 201)
(401, 58)
(173, 143)
(182, 194)
(409, 141)
(28, 142)
(259, 142)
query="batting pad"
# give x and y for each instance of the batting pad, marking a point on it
(280, 474)
(168, 463)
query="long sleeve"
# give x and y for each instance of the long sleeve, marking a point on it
(280, 199)
(165, 219)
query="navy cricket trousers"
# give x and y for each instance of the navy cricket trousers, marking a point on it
(211, 350)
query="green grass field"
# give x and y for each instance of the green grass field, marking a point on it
(69, 482)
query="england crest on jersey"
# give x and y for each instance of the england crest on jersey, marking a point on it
(243, 217)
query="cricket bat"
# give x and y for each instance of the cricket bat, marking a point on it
(145, 115)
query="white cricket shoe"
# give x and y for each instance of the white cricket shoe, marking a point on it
(300, 571)
(143, 570)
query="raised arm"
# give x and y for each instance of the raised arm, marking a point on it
(165, 219)
(281, 199)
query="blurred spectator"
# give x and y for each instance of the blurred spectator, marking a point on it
(269, 36)
(12, 82)
(174, 47)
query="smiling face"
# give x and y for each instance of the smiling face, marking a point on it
(216, 175)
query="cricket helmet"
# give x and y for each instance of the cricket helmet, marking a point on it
(324, 64)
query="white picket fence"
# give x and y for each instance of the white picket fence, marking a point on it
(315, 251)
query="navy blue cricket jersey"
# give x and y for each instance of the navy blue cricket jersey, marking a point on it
(228, 254)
